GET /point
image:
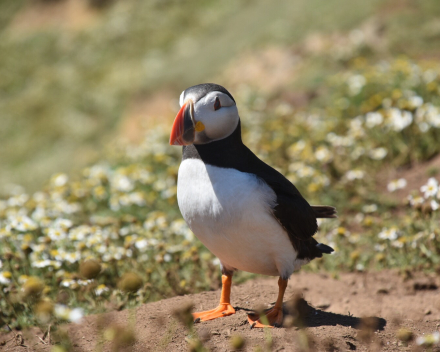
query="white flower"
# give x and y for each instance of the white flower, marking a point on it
(434, 205)
(137, 198)
(356, 83)
(216, 261)
(84, 282)
(388, 234)
(359, 217)
(397, 244)
(394, 185)
(39, 197)
(124, 231)
(62, 223)
(429, 75)
(373, 119)
(415, 201)
(18, 200)
(56, 234)
(340, 141)
(59, 180)
(378, 153)
(415, 101)
(429, 340)
(360, 267)
(76, 315)
(355, 175)
(167, 257)
(22, 223)
(356, 123)
(68, 283)
(122, 183)
(433, 116)
(179, 227)
(72, 257)
(63, 312)
(423, 127)
(79, 233)
(168, 193)
(323, 154)
(399, 119)
(379, 247)
(45, 263)
(141, 244)
(431, 188)
(369, 208)
(3, 279)
(101, 289)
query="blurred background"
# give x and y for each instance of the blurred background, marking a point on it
(77, 75)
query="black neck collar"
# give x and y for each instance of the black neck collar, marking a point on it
(213, 153)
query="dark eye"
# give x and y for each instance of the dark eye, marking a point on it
(217, 104)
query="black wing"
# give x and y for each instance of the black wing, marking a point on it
(297, 217)
(292, 211)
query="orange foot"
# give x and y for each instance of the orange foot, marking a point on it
(223, 310)
(272, 317)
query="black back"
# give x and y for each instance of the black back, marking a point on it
(292, 211)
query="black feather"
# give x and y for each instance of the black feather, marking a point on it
(292, 211)
(324, 248)
(324, 211)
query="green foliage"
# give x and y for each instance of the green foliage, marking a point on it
(64, 90)
(121, 215)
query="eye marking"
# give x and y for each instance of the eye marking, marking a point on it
(217, 104)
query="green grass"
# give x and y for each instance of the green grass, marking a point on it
(64, 91)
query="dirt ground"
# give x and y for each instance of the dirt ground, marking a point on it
(334, 317)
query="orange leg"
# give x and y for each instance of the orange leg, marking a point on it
(273, 316)
(224, 308)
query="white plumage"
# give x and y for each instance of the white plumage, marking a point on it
(231, 213)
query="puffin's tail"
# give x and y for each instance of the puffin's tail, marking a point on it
(324, 248)
(324, 211)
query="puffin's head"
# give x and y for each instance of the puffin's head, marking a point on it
(207, 113)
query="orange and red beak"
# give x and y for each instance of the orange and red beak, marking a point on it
(183, 131)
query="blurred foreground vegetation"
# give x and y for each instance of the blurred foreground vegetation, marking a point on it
(361, 110)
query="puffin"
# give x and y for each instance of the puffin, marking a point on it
(244, 211)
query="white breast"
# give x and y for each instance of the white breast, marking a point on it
(231, 213)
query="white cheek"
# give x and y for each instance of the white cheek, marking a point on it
(221, 123)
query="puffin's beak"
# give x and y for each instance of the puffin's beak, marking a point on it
(183, 131)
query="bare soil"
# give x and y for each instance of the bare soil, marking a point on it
(333, 314)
